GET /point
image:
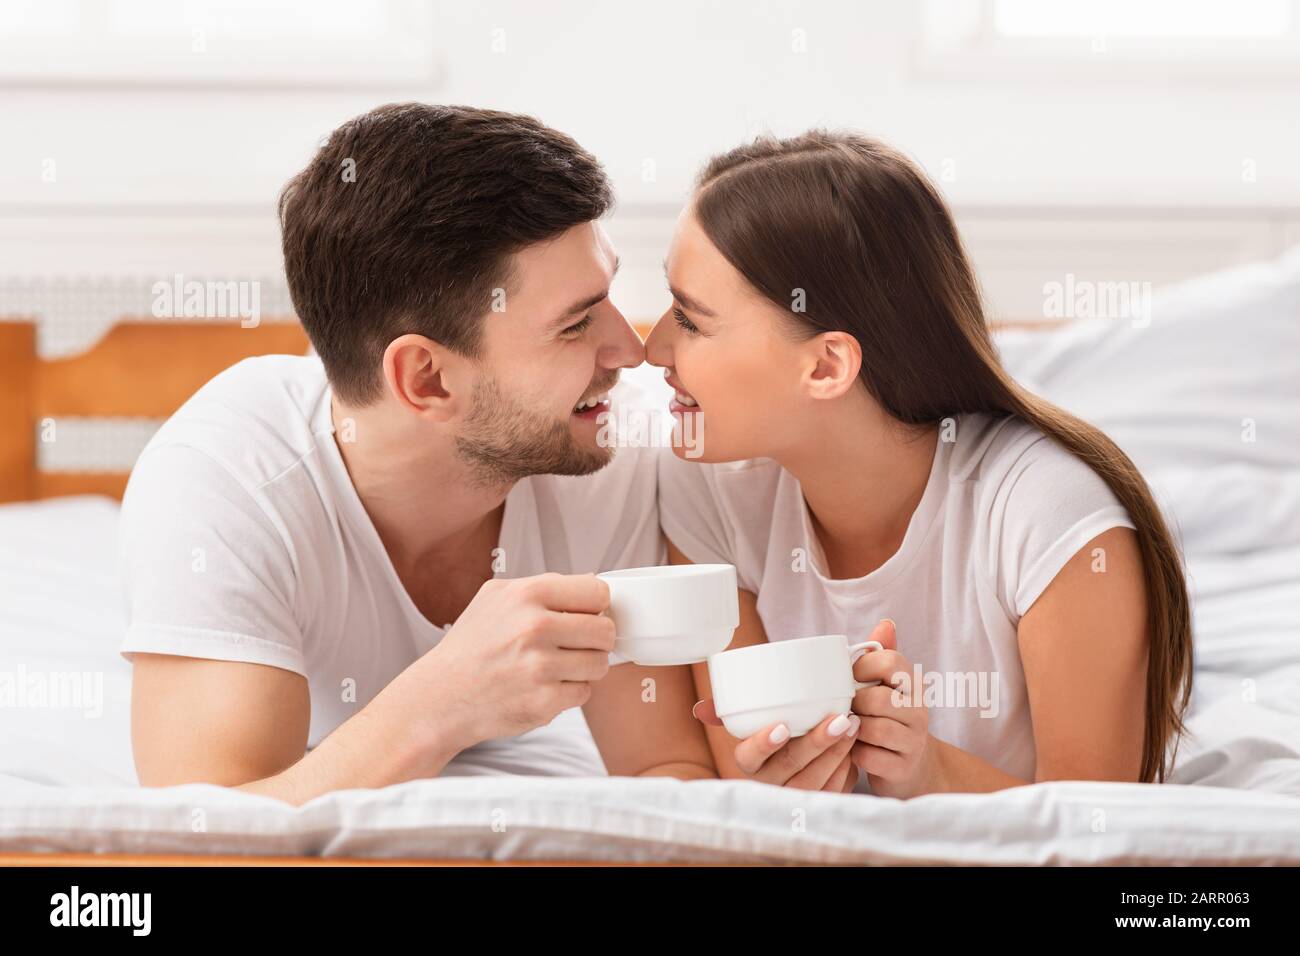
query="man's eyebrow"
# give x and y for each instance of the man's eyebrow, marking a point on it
(695, 305)
(589, 301)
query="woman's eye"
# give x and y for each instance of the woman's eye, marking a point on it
(577, 328)
(686, 324)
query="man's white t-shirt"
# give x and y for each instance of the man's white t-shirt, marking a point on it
(1003, 510)
(243, 539)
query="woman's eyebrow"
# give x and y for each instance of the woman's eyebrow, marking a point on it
(695, 305)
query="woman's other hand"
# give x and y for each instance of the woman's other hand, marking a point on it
(894, 747)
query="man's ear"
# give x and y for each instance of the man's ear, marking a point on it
(832, 361)
(419, 374)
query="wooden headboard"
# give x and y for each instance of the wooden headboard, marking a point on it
(140, 369)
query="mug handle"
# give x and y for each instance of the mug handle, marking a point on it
(873, 645)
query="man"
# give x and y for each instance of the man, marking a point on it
(299, 538)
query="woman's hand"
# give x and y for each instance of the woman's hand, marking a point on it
(819, 760)
(894, 747)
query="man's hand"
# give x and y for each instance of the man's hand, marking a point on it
(523, 651)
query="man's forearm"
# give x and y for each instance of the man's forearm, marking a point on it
(369, 750)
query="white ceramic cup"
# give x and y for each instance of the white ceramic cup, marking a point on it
(798, 683)
(678, 614)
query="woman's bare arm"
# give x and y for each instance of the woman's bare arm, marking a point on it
(1083, 646)
(640, 718)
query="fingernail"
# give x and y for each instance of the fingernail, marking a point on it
(854, 723)
(780, 734)
(891, 622)
(838, 726)
(695, 709)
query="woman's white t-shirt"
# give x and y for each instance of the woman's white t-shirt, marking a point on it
(1003, 510)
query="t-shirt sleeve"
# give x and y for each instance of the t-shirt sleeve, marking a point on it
(205, 571)
(689, 511)
(1046, 507)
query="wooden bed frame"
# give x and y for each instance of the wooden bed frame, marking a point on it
(140, 368)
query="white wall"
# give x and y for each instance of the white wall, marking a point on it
(675, 80)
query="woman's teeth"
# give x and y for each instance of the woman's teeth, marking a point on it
(591, 402)
(686, 400)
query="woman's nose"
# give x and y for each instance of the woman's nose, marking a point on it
(658, 344)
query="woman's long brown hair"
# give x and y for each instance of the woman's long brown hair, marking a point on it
(869, 241)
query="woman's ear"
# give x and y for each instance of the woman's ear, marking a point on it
(833, 362)
(418, 374)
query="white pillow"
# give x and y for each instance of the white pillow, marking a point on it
(1220, 354)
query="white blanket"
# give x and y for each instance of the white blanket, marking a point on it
(624, 819)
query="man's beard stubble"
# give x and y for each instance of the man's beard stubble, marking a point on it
(504, 440)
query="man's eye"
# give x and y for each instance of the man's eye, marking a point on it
(577, 328)
(684, 322)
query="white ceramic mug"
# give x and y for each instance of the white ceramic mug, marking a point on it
(798, 682)
(677, 614)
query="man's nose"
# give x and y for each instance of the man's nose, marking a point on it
(625, 348)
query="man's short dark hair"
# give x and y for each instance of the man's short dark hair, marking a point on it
(406, 220)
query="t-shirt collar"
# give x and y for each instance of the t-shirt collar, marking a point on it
(918, 528)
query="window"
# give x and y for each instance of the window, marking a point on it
(1188, 37)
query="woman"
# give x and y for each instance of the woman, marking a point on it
(863, 457)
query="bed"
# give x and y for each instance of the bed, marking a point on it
(1206, 397)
